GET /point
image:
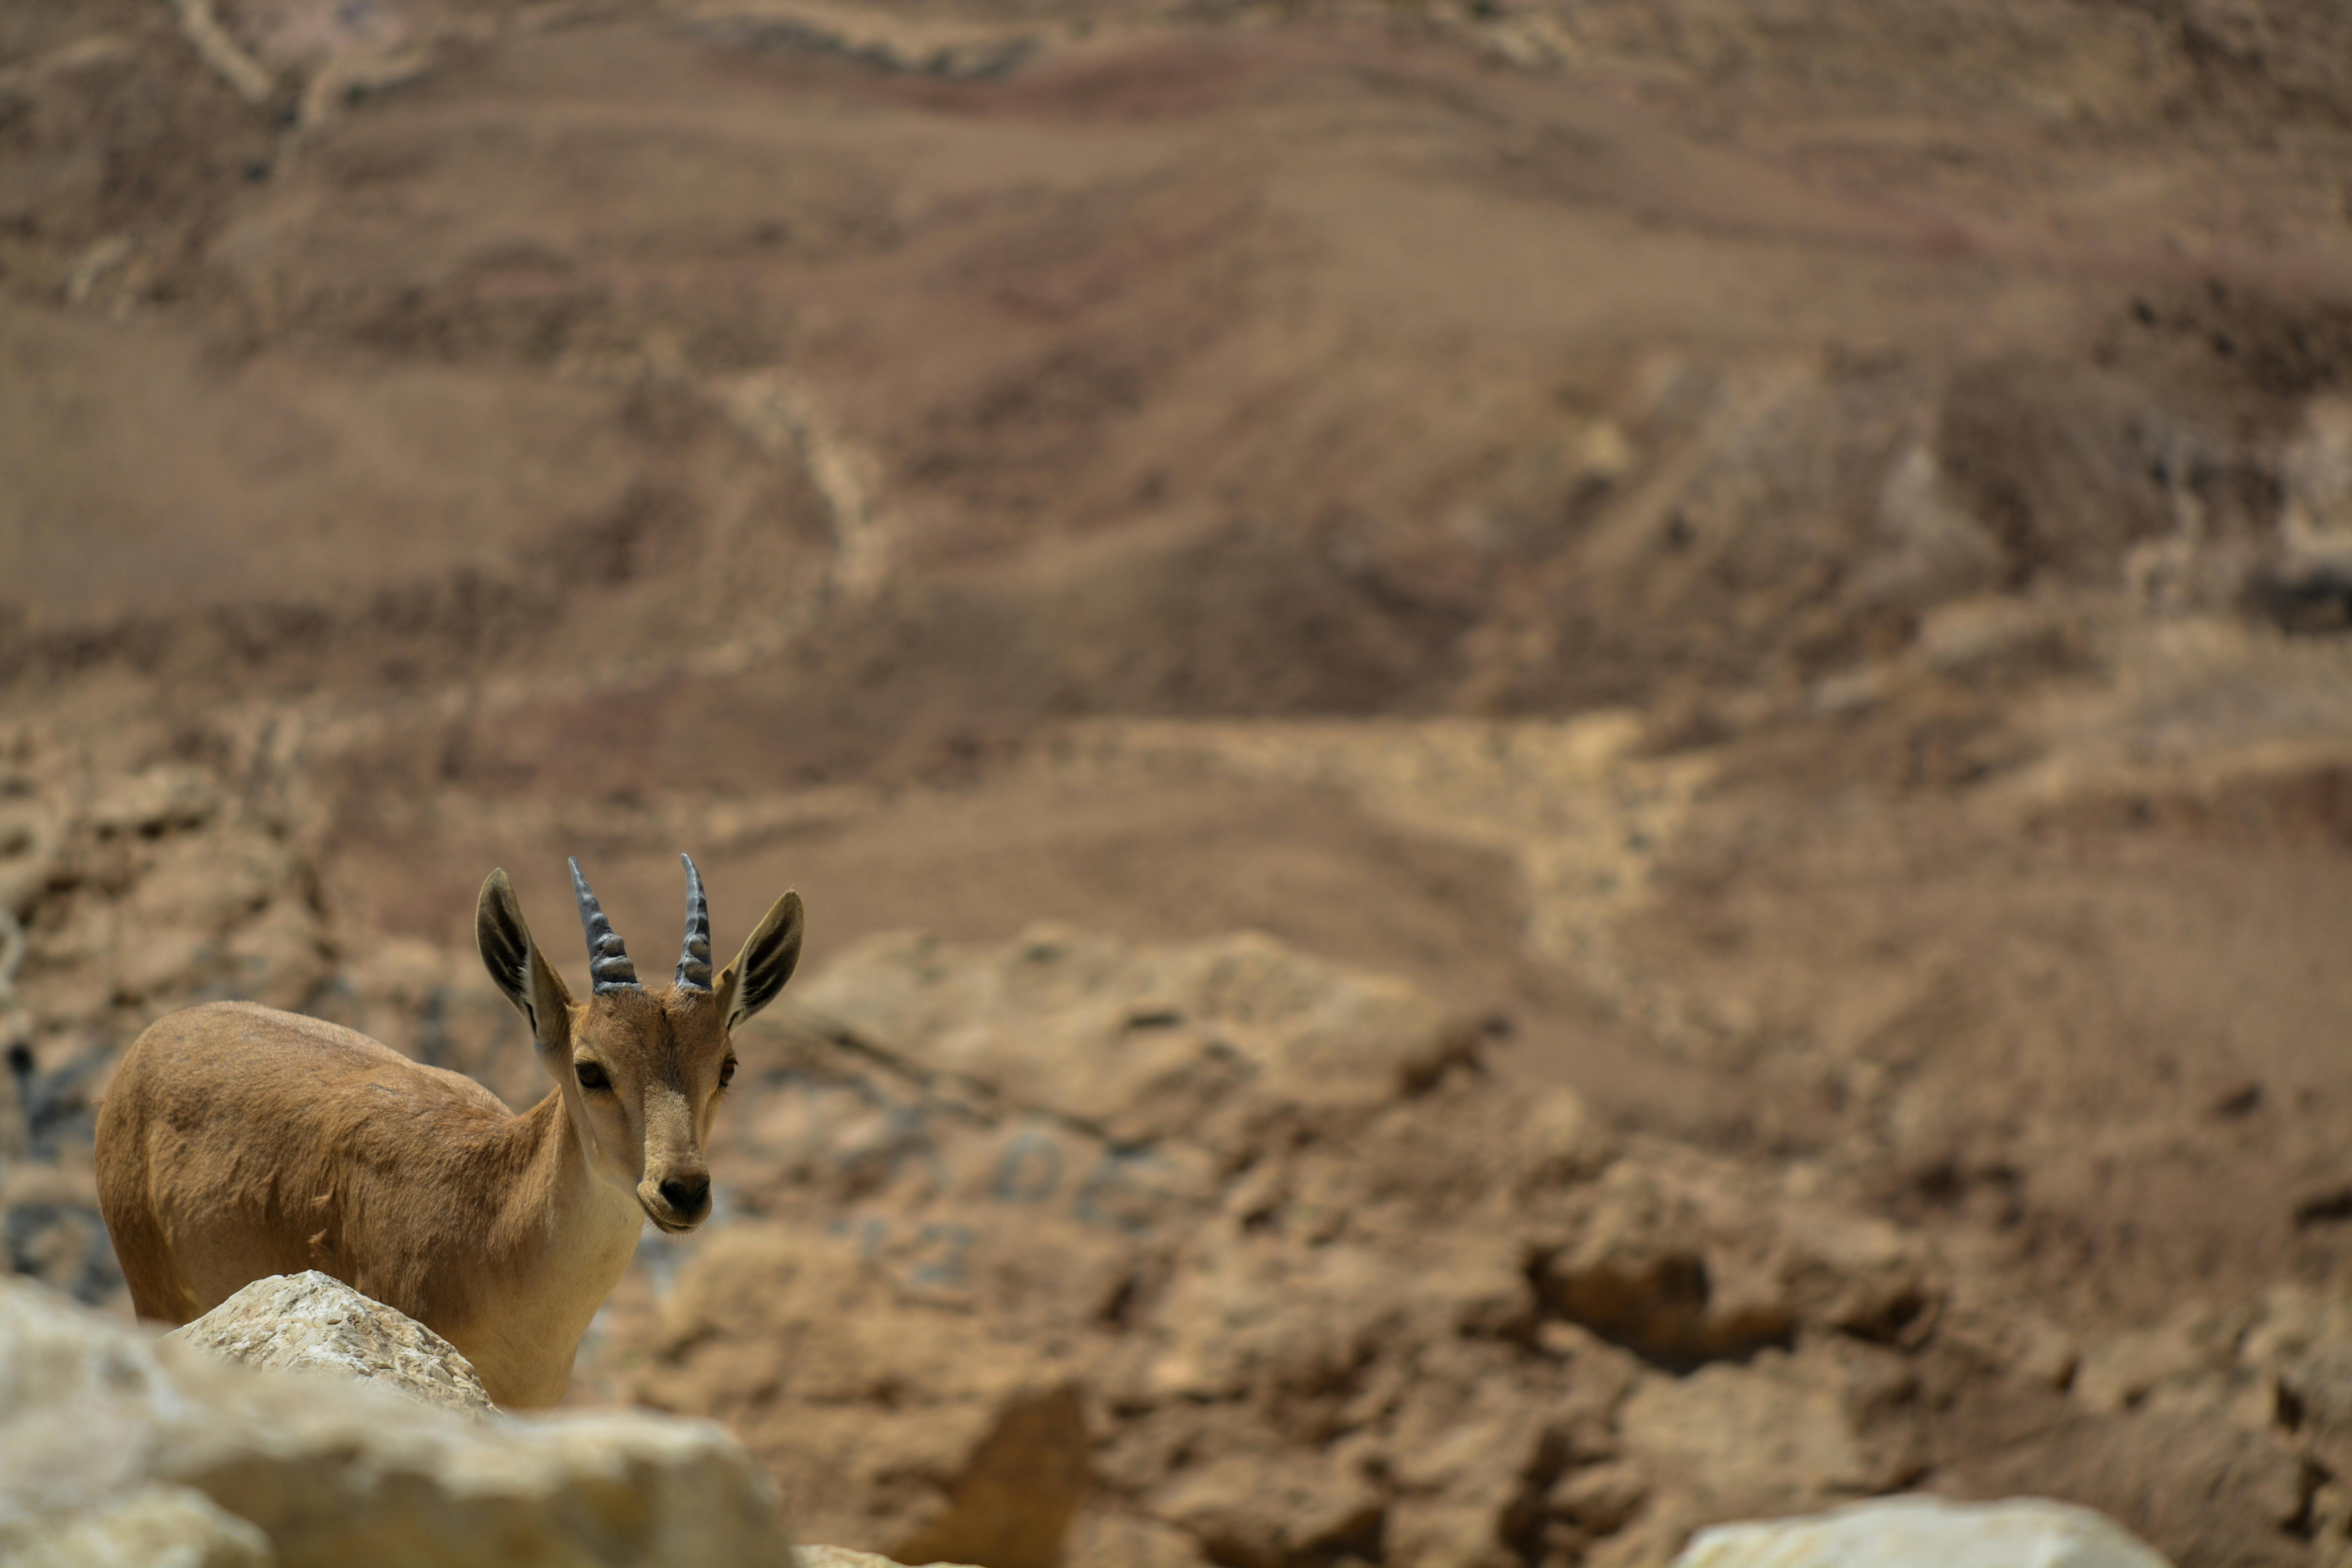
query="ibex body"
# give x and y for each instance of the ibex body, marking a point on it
(236, 1141)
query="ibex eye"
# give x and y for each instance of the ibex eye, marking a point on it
(592, 1076)
(727, 1072)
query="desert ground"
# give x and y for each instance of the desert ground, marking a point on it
(1562, 767)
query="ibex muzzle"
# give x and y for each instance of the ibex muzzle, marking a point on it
(237, 1142)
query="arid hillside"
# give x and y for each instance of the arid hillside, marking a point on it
(1562, 767)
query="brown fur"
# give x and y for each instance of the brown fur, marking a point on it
(236, 1141)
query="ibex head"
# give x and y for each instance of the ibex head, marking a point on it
(640, 1071)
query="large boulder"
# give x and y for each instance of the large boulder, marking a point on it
(108, 1439)
(314, 1323)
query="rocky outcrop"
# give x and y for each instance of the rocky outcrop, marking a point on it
(1925, 1529)
(124, 891)
(314, 1323)
(111, 1444)
(1070, 1251)
(1216, 1251)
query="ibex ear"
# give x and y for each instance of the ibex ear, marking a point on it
(766, 961)
(517, 967)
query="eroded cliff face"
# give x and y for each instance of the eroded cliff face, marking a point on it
(1675, 683)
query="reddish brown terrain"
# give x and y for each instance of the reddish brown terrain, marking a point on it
(1562, 766)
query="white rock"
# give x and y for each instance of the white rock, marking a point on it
(314, 1323)
(842, 1557)
(1928, 1532)
(94, 1416)
(153, 1527)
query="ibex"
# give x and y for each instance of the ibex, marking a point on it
(236, 1141)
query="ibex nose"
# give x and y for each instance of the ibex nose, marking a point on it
(687, 1194)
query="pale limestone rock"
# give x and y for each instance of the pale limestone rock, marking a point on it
(93, 1414)
(842, 1557)
(314, 1323)
(1897, 1531)
(153, 1527)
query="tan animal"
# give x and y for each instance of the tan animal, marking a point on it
(236, 1141)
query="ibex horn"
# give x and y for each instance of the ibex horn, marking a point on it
(609, 968)
(694, 958)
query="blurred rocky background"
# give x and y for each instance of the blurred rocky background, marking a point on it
(1564, 767)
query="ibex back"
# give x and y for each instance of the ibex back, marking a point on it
(236, 1141)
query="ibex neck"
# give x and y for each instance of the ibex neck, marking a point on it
(580, 1217)
(566, 1237)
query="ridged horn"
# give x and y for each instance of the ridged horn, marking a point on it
(694, 958)
(609, 968)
